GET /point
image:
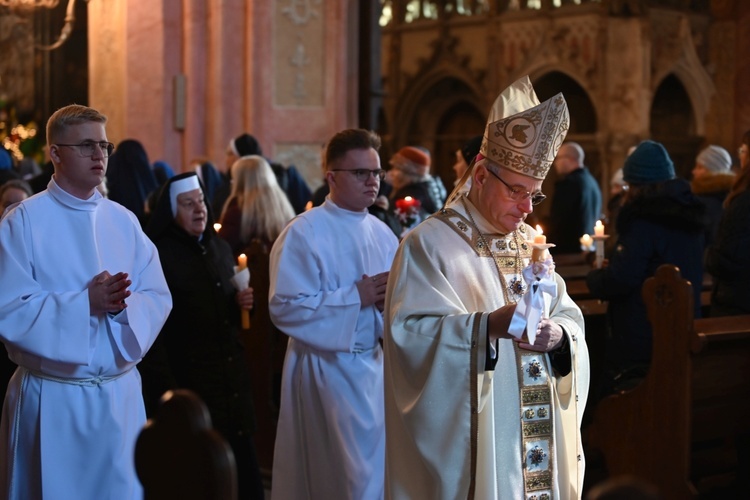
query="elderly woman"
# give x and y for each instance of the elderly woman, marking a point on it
(199, 347)
(712, 180)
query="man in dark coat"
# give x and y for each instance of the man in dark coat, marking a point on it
(576, 203)
(661, 222)
(199, 348)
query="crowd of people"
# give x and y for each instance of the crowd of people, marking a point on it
(373, 350)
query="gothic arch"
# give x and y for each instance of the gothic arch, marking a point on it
(422, 102)
(583, 113)
(691, 73)
(440, 111)
(673, 122)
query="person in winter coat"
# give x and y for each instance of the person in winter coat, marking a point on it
(660, 222)
(728, 259)
(199, 347)
(712, 180)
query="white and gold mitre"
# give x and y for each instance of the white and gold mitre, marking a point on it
(523, 135)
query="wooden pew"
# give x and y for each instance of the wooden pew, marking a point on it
(680, 428)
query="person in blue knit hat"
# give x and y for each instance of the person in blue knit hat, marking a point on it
(661, 222)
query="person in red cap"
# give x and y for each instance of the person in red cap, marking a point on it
(410, 169)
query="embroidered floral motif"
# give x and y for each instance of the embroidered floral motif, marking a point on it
(537, 455)
(535, 369)
(517, 286)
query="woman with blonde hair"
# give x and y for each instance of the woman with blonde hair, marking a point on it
(253, 216)
(257, 207)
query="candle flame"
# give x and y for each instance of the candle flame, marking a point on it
(599, 223)
(408, 198)
(217, 227)
(539, 229)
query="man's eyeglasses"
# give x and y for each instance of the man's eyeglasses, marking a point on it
(362, 174)
(517, 193)
(89, 148)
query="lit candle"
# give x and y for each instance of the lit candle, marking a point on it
(245, 314)
(540, 238)
(406, 204)
(217, 227)
(586, 241)
(539, 252)
(599, 229)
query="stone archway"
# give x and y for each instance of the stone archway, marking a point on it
(440, 112)
(457, 125)
(583, 126)
(673, 123)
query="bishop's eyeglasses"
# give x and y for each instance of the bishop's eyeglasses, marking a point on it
(89, 148)
(362, 174)
(517, 193)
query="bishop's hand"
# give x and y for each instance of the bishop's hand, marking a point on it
(548, 337)
(498, 322)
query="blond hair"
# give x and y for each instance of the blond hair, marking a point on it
(264, 206)
(73, 114)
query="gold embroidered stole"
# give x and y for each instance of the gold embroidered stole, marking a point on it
(534, 380)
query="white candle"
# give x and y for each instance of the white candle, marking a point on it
(242, 261)
(586, 241)
(599, 228)
(540, 238)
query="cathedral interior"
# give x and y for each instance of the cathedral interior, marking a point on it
(184, 77)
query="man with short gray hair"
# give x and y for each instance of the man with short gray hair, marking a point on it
(576, 202)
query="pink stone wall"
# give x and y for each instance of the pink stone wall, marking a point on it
(224, 50)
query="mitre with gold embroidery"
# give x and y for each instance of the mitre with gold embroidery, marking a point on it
(523, 135)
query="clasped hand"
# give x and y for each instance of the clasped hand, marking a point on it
(548, 334)
(107, 293)
(372, 290)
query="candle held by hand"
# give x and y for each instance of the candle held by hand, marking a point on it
(242, 265)
(539, 246)
(540, 238)
(599, 228)
(586, 242)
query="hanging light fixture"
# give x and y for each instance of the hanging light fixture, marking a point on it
(29, 4)
(67, 29)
